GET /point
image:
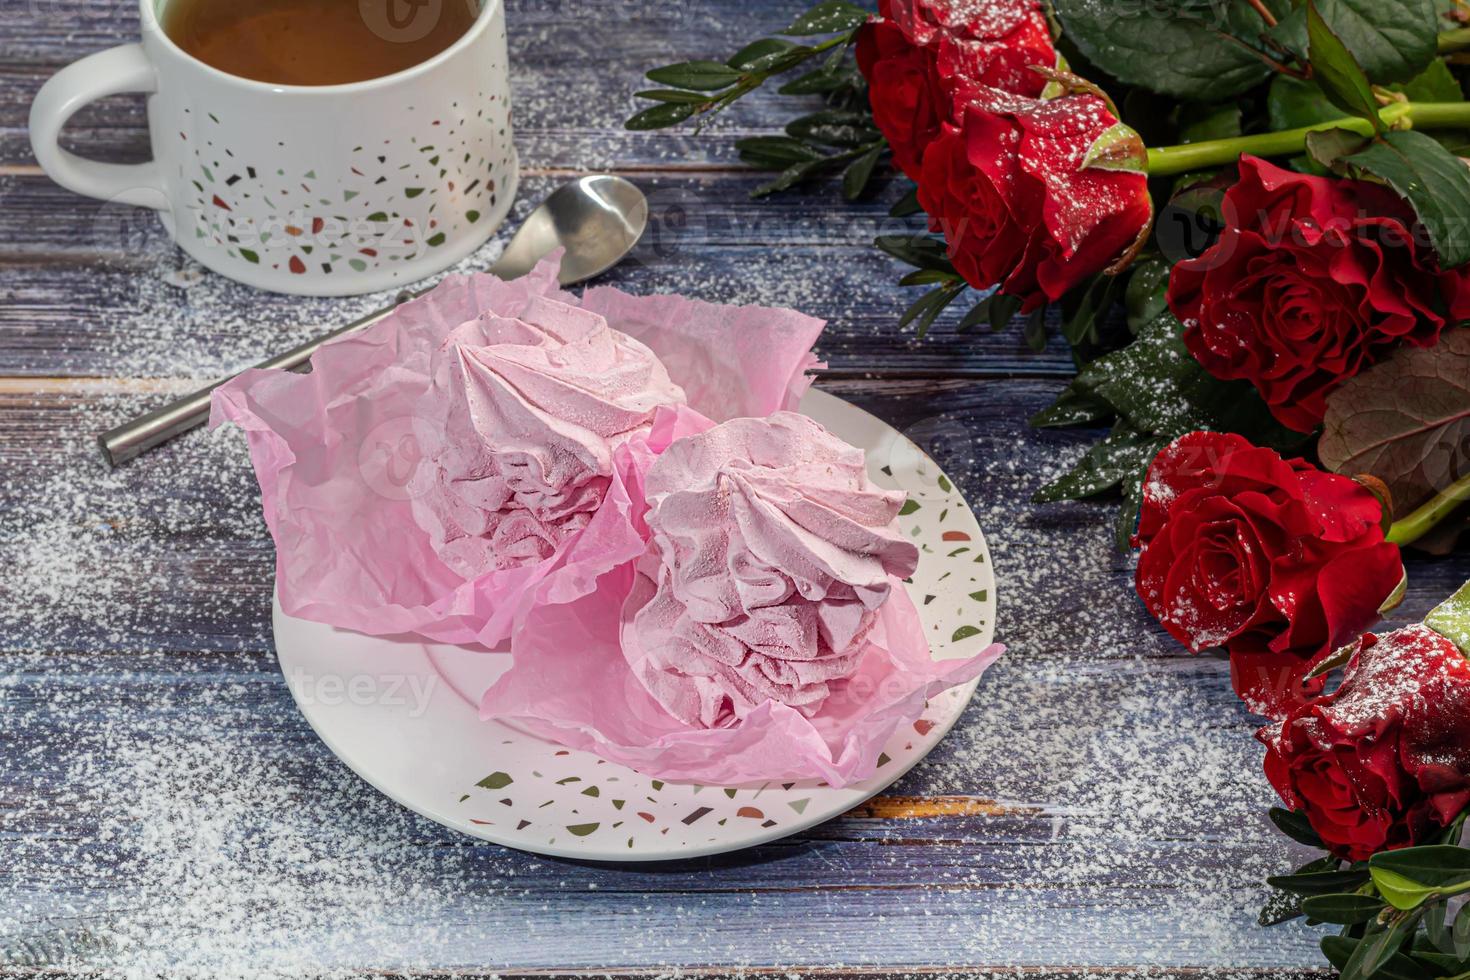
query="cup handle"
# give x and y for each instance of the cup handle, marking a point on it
(121, 69)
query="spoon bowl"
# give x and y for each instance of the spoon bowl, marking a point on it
(597, 219)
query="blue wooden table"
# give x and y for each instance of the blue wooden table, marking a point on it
(164, 808)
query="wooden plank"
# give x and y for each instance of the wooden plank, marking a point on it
(163, 807)
(152, 795)
(1100, 798)
(907, 972)
(98, 289)
(188, 513)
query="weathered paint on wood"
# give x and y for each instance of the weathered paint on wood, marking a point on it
(1097, 808)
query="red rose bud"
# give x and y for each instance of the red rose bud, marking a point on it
(1383, 762)
(1312, 280)
(1035, 195)
(920, 52)
(1274, 560)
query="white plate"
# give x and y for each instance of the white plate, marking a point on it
(402, 713)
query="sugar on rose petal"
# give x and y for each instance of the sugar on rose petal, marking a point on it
(917, 53)
(1035, 195)
(1383, 761)
(1312, 280)
(1273, 559)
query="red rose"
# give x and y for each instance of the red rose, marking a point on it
(1384, 761)
(920, 52)
(1276, 561)
(1006, 186)
(904, 90)
(1312, 280)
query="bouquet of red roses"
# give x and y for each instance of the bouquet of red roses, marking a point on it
(1248, 219)
(1288, 266)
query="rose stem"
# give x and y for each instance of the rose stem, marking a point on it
(1266, 14)
(1166, 160)
(1412, 527)
(1455, 40)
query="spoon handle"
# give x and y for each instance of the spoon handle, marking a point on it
(134, 438)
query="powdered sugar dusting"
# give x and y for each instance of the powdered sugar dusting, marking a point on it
(173, 813)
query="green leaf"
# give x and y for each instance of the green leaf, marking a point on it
(1073, 407)
(1435, 83)
(1159, 387)
(1436, 867)
(917, 250)
(1451, 619)
(1280, 907)
(1184, 48)
(749, 57)
(1439, 930)
(927, 307)
(1079, 324)
(1369, 428)
(1338, 950)
(1003, 309)
(775, 152)
(1393, 40)
(1344, 909)
(827, 17)
(858, 173)
(1292, 103)
(1308, 883)
(1123, 456)
(1335, 69)
(927, 277)
(1434, 182)
(706, 76)
(1403, 892)
(1157, 391)
(1294, 824)
(921, 328)
(1034, 332)
(673, 95)
(1330, 148)
(1443, 964)
(995, 311)
(818, 82)
(1378, 949)
(774, 62)
(1284, 906)
(660, 116)
(906, 205)
(977, 314)
(834, 127)
(1216, 122)
(1456, 829)
(793, 175)
(1146, 295)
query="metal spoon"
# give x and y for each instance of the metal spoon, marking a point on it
(598, 219)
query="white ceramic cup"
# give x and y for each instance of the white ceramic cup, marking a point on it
(326, 190)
